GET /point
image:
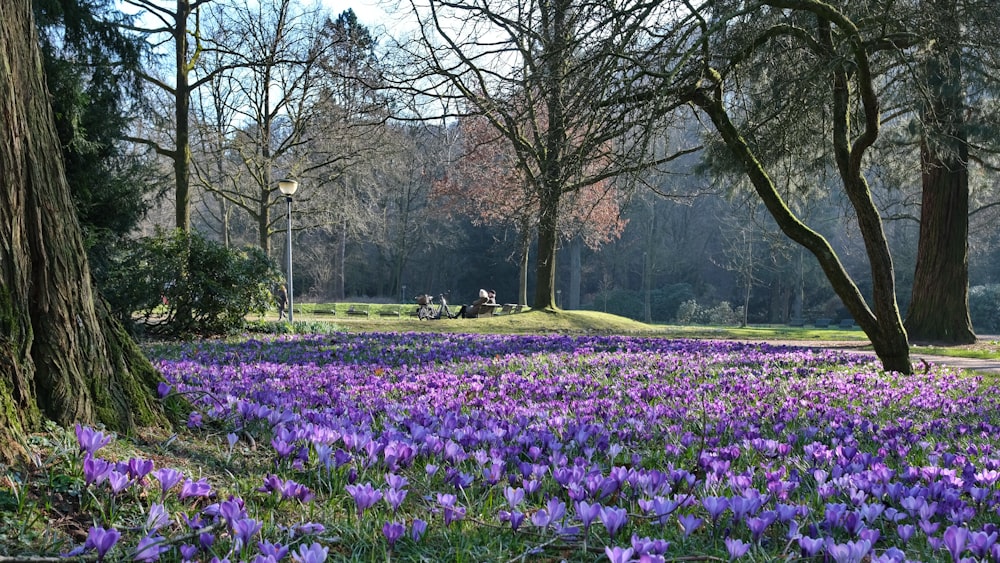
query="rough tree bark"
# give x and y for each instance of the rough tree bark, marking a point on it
(939, 308)
(62, 355)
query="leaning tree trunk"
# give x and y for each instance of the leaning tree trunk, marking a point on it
(939, 308)
(62, 355)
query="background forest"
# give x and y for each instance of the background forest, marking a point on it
(396, 201)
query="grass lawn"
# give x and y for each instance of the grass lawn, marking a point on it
(597, 322)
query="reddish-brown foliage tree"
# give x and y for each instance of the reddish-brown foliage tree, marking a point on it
(486, 183)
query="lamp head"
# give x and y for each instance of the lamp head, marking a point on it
(288, 186)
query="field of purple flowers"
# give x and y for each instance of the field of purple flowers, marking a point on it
(424, 447)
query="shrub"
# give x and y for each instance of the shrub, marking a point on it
(178, 284)
(984, 308)
(690, 312)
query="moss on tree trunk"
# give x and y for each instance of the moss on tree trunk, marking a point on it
(62, 355)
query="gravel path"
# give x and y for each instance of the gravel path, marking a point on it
(863, 347)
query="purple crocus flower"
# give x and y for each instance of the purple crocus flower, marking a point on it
(715, 506)
(451, 511)
(587, 513)
(139, 468)
(981, 542)
(168, 478)
(811, 547)
(662, 508)
(281, 447)
(736, 548)
(613, 519)
(417, 529)
(648, 546)
(95, 470)
(531, 486)
(556, 509)
(91, 440)
(516, 519)
(230, 510)
(871, 535)
(905, 532)
(758, 525)
(188, 552)
(314, 553)
(150, 548)
(206, 540)
(928, 527)
(395, 497)
(199, 488)
(102, 540)
(514, 496)
(396, 482)
(156, 517)
(274, 550)
(393, 531)
(118, 481)
(689, 523)
(163, 389)
(271, 483)
(618, 554)
(245, 529)
(540, 518)
(850, 552)
(365, 496)
(955, 539)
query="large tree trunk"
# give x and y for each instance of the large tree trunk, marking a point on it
(524, 240)
(575, 273)
(548, 238)
(939, 308)
(61, 353)
(182, 101)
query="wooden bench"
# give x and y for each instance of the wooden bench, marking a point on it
(388, 313)
(361, 311)
(487, 310)
(847, 323)
(822, 323)
(507, 309)
(797, 322)
(325, 311)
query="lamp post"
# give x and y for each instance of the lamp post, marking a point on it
(288, 188)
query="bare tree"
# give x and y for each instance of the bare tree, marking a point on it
(270, 53)
(546, 76)
(174, 23)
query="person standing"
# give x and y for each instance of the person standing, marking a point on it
(281, 298)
